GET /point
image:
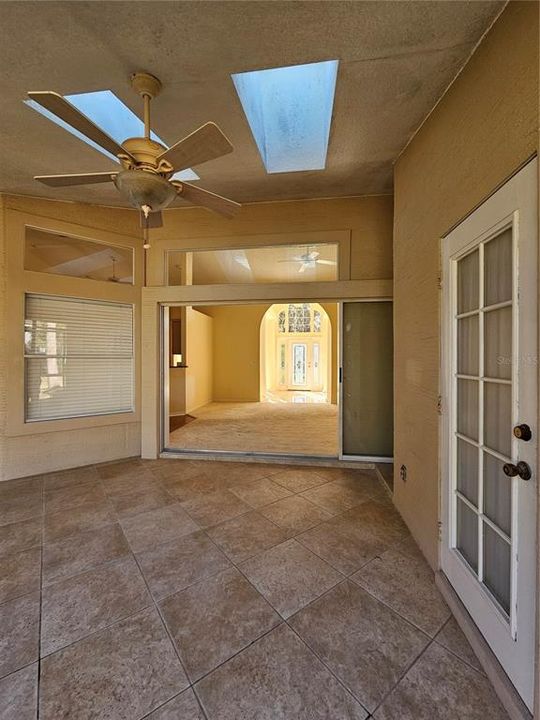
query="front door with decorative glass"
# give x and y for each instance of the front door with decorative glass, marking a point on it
(299, 348)
(490, 368)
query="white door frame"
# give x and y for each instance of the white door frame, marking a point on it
(514, 204)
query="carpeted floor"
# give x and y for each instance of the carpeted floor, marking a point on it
(289, 428)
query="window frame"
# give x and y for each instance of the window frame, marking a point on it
(119, 413)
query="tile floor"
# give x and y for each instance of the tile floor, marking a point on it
(193, 590)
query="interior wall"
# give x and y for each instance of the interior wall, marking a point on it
(26, 449)
(479, 134)
(199, 359)
(236, 351)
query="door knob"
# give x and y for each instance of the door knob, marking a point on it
(521, 469)
(523, 432)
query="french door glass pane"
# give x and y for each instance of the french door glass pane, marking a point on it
(498, 269)
(467, 533)
(468, 281)
(498, 343)
(467, 420)
(467, 470)
(497, 567)
(498, 417)
(497, 493)
(468, 345)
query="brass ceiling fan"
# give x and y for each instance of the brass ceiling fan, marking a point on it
(147, 166)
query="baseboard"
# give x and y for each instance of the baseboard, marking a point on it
(506, 692)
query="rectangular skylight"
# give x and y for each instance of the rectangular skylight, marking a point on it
(107, 111)
(289, 111)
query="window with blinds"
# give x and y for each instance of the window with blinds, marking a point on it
(78, 358)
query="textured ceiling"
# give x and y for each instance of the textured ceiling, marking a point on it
(396, 59)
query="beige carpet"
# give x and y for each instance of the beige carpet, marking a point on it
(291, 428)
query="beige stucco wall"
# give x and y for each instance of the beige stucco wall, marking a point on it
(478, 135)
(26, 449)
(365, 238)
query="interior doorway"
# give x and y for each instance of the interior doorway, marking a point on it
(296, 358)
(255, 378)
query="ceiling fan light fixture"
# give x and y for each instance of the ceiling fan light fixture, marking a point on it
(144, 188)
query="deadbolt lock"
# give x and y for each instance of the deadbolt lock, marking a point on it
(521, 469)
(523, 432)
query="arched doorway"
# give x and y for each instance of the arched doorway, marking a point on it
(296, 353)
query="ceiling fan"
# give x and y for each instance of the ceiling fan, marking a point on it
(147, 166)
(309, 260)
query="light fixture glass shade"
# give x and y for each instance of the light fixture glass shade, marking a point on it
(145, 188)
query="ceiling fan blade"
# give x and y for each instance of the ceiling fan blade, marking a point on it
(83, 179)
(59, 106)
(207, 199)
(206, 143)
(326, 262)
(303, 267)
(313, 255)
(154, 220)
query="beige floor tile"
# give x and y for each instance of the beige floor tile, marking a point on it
(183, 707)
(158, 526)
(213, 620)
(62, 499)
(78, 606)
(452, 638)
(299, 479)
(83, 552)
(346, 554)
(276, 678)
(289, 576)
(19, 694)
(20, 536)
(193, 487)
(20, 506)
(246, 535)
(23, 486)
(375, 520)
(19, 633)
(91, 516)
(214, 508)
(440, 686)
(366, 645)
(408, 587)
(173, 566)
(119, 468)
(175, 469)
(260, 492)
(294, 514)
(20, 573)
(140, 501)
(70, 478)
(121, 485)
(338, 496)
(125, 671)
(233, 473)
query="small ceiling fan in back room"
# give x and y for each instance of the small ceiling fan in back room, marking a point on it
(147, 165)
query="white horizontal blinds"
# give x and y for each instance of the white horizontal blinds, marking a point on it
(78, 357)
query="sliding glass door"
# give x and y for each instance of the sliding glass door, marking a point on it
(367, 425)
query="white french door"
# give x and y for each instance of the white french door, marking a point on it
(489, 431)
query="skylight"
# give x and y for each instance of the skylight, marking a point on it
(289, 111)
(107, 111)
